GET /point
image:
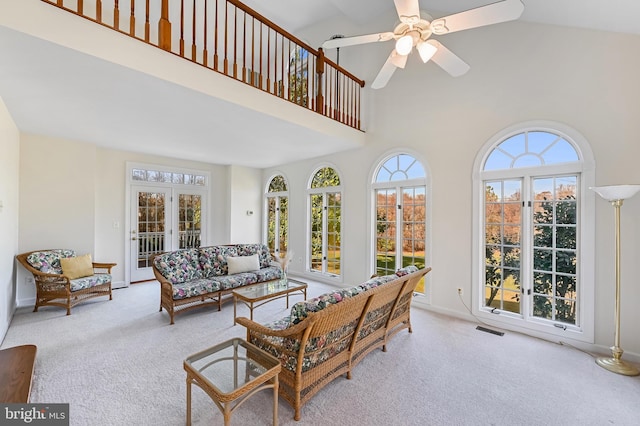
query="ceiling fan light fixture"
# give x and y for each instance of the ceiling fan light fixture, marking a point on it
(404, 45)
(426, 50)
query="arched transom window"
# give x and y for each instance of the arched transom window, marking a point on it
(531, 225)
(325, 210)
(400, 222)
(277, 217)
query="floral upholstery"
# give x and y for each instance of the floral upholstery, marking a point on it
(406, 270)
(90, 281)
(198, 271)
(236, 280)
(264, 256)
(179, 266)
(268, 274)
(317, 349)
(196, 287)
(299, 310)
(48, 261)
(213, 260)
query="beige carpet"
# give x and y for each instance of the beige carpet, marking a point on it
(120, 363)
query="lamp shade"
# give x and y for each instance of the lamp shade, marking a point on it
(404, 45)
(616, 192)
(426, 50)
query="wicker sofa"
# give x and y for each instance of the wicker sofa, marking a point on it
(327, 336)
(197, 277)
(55, 288)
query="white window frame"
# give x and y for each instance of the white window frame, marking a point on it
(277, 195)
(324, 190)
(585, 331)
(398, 186)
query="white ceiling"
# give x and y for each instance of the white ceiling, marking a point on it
(130, 110)
(608, 15)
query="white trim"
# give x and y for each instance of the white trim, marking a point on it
(586, 219)
(330, 278)
(373, 186)
(202, 189)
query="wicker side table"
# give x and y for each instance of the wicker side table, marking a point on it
(230, 373)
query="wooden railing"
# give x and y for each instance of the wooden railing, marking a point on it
(232, 39)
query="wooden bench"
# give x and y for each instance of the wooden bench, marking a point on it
(16, 373)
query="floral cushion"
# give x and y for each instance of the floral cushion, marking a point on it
(406, 270)
(264, 256)
(179, 266)
(300, 310)
(48, 261)
(269, 273)
(90, 281)
(236, 280)
(196, 287)
(317, 350)
(213, 260)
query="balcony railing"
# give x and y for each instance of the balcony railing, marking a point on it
(232, 39)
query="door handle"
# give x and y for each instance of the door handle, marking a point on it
(133, 238)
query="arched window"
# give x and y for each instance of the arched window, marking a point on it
(325, 220)
(400, 222)
(533, 263)
(277, 217)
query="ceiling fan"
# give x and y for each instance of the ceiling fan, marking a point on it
(416, 28)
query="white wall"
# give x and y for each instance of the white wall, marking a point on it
(72, 192)
(584, 79)
(9, 178)
(246, 191)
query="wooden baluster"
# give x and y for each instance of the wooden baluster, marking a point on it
(99, 10)
(205, 53)
(147, 27)
(244, 47)
(215, 40)
(319, 75)
(182, 28)
(226, 30)
(235, 43)
(132, 19)
(282, 78)
(193, 33)
(260, 58)
(60, 3)
(268, 60)
(116, 15)
(164, 27)
(80, 6)
(253, 49)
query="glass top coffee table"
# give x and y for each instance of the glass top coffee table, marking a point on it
(231, 372)
(257, 295)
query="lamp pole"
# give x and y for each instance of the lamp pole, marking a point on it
(616, 194)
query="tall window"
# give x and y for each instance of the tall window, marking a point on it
(277, 228)
(399, 191)
(533, 231)
(325, 198)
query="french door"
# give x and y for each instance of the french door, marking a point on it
(162, 219)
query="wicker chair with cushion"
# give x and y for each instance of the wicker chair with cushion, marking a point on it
(64, 279)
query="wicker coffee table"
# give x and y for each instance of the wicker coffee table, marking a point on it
(230, 373)
(257, 295)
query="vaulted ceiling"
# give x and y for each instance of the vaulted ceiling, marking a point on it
(44, 97)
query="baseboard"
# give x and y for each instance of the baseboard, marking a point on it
(119, 284)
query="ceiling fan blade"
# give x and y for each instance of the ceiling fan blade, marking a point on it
(408, 10)
(502, 11)
(447, 60)
(350, 41)
(393, 61)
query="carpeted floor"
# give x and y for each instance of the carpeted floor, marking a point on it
(120, 363)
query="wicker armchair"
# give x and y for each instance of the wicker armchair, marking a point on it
(53, 288)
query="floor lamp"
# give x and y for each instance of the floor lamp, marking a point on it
(616, 194)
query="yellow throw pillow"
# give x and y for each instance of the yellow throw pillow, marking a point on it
(77, 267)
